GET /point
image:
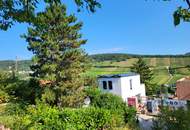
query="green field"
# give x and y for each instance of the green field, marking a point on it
(158, 65)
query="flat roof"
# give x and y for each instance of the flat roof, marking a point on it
(117, 75)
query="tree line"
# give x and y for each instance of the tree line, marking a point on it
(122, 56)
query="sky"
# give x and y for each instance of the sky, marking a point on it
(120, 26)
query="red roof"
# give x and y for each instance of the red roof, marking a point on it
(183, 88)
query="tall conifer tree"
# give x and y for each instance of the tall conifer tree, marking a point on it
(145, 72)
(55, 41)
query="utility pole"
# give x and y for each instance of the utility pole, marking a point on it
(16, 64)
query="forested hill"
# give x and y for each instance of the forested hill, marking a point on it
(109, 57)
(115, 57)
(124, 56)
(21, 65)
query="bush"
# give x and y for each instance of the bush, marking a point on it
(90, 81)
(109, 101)
(4, 97)
(26, 90)
(87, 118)
(12, 115)
(44, 117)
(172, 120)
(121, 113)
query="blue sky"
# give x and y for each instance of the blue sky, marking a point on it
(120, 26)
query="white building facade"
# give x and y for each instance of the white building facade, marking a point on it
(123, 85)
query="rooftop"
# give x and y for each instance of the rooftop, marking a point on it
(117, 75)
(184, 79)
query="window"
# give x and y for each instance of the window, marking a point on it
(131, 85)
(104, 85)
(110, 85)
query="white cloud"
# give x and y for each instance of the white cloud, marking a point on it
(107, 50)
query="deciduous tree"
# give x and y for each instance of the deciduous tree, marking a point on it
(12, 11)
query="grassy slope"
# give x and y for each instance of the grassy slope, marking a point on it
(157, 64)
(109, 67)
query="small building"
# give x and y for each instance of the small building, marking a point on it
(183, 88)
(124, 85)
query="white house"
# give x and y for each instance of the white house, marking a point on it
(124, 85)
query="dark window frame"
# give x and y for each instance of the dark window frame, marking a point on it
(131, 84)
(104, 85)
(110, 85)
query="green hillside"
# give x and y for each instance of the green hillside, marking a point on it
(158, 65)
(121, 63)
(22, 65)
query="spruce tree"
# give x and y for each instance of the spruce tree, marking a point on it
(55, 41)
(145, 72)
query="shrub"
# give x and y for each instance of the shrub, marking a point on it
(90, 81)
(93, 93)
(26, 90)
(172, 120)
(130, 117)
(121, 113)
(44, 117)
(109, 101)
(12, 115)
(4, 97)
(87, 118)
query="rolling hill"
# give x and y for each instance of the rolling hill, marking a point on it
(22, 65)
(121, 63)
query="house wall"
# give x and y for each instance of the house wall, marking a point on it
(121, 86)
(183, 90)
(116, 83)
(137, 87)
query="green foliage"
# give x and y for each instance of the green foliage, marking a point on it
(109, 101)
(146, 74)
(172, 120)
(117, 57)
(15, 108)
(4, 97)
(109, 57)
(42, 117)
(90, 81)
(48, 96)
(140, 67)
(93, 93)
(5, 78)
(26, 90)
(24, 11)
(153, 89)
(121, 113)
(88, 118)
(151, 60)
(181, 14)
(171, 70)
(188, 66)
(12, 116)
(55, 40)
(23, 65)
(158, 66)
